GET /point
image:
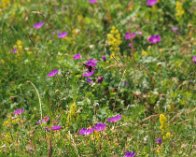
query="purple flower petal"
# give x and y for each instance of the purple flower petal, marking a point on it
(53, 73)
(14, 50)
(44, 120)
(91, 62)
(77, 56)
(154, 39)
(129, 36)
(115, 119)
(62, 35)
(151, 3)
(130, 154)
(18, 111)
(99, 127)
(104, 58)
(92, 1)
(89, 80)
(86, 131)
(38, 25)
(159, 141)
(88, 74)
(194, 59)
(56, 128)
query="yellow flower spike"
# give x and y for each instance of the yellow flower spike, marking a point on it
(168, 135)
(163, 122)
(4, 4)
(162, 119)
(7, 138)
(179, 9)
(7, 123)
(114, 40)
(72, 112)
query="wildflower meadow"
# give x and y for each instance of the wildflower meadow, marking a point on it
(97, 78)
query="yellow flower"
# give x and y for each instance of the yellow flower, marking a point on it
(18, 46)
(168, 135)
(179, 9)
(4, 4)
(114, 40)
(163, 122)
(72, 112)
(7, 123)
(7, 138)
(144, 53)
(162, 119)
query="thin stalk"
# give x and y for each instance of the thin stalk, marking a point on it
(38, 95)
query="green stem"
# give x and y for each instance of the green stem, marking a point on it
(38, 95)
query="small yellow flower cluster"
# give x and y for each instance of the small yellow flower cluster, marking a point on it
(18, 46)
(11, 120)
(114, 40)
(4, 4)
(72, 112)
(6, 137)
(164, 126)
(179, 9)
(163, 122)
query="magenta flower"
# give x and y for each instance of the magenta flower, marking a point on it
(53, 73)
(115, 119)
(88, 74)
(100, 79)
(159, 141)
(151, 3)
(77, 56)
(43, 120)
(129, 36)
(99, 127)
(89, 80)
(130, 154)
(38, 25)
(154, 39)
(86, 131)
(56, 128)
(18, 111)
(104, 58)
(62, 35)
(91, 63)
(92, 1)
(194, 59)
(14, 50)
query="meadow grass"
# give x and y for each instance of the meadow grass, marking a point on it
(104, 78)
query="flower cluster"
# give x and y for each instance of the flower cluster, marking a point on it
(99, 126)
(164, 126)
(194, 59)
(114, 40)
(151, 3)
(92, 1)
(18, 47)
(154, 39)
(179, 9)
(53, 73)
(130, 154)
(4, 4)
(38, 25)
